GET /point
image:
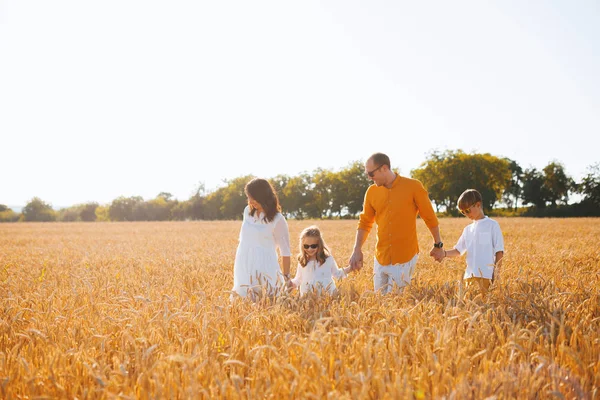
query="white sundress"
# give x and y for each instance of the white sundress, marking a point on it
(256, 263)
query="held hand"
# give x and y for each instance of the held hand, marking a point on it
(356, 260)
(437, 254)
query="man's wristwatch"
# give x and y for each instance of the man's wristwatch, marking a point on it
(439, 245)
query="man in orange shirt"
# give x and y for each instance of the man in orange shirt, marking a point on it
(393, 203)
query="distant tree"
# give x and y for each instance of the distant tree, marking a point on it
(8, 215)
(323, 189)
(279, 183)
(157, 209)
(354, 185)
(69, 214)
(446, 175)
(557, 183)
(234, 199)
(513, 191)
(38, 210)
(126, 208)
(299, 196)
(211, 205)
(165, 195)
(87, 212)
(194, 207)
(534, 191)
(102, 213)
(590, 185)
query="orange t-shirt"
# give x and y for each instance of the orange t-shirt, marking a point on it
(395, 212)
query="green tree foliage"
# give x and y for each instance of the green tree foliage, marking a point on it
(87, 212)
(447, 174)
(67, 214)
(38, 210)
(8, 215)
(326, 193)
(234, 199)
(299, 197)
(126, 209)
(79, 212)
(193, 208)
(279, 183)
(212, 205)
(549, 186)
(103, 213)
(514, 190)
(534, 191)
(590, 186)
(557, 183)
(325, 185)
(353, 185)
(157, 209)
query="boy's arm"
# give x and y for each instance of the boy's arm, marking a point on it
(451, 253)
(497, 264)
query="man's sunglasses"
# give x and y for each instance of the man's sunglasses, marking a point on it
(372, 173)
(311, 246)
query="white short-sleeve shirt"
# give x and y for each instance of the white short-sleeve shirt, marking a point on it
(481, 240)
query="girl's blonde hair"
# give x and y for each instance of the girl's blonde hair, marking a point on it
(323, 252)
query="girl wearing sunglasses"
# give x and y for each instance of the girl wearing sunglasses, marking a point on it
(316, 266)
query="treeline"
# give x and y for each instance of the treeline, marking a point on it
(339, 194)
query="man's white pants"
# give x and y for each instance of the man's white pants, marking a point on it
(386, 276)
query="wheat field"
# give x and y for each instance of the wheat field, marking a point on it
(142, 310)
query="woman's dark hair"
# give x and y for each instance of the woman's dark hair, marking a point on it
(263, 192)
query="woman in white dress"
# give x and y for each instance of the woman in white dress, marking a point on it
(316, 266)
(264, 230)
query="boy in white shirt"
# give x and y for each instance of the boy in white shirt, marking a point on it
(482, 241)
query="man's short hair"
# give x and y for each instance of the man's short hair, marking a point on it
(381, 159)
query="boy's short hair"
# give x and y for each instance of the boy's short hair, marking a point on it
(468, 198)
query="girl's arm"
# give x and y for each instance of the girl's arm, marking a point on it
(297, 280)
(337, 272)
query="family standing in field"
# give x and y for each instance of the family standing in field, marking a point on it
(393, 203)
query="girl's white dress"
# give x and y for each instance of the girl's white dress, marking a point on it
(256, 263)
(317, 276)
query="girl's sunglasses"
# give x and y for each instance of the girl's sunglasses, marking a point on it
(311, 246)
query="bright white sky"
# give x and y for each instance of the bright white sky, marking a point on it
(100, 99)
